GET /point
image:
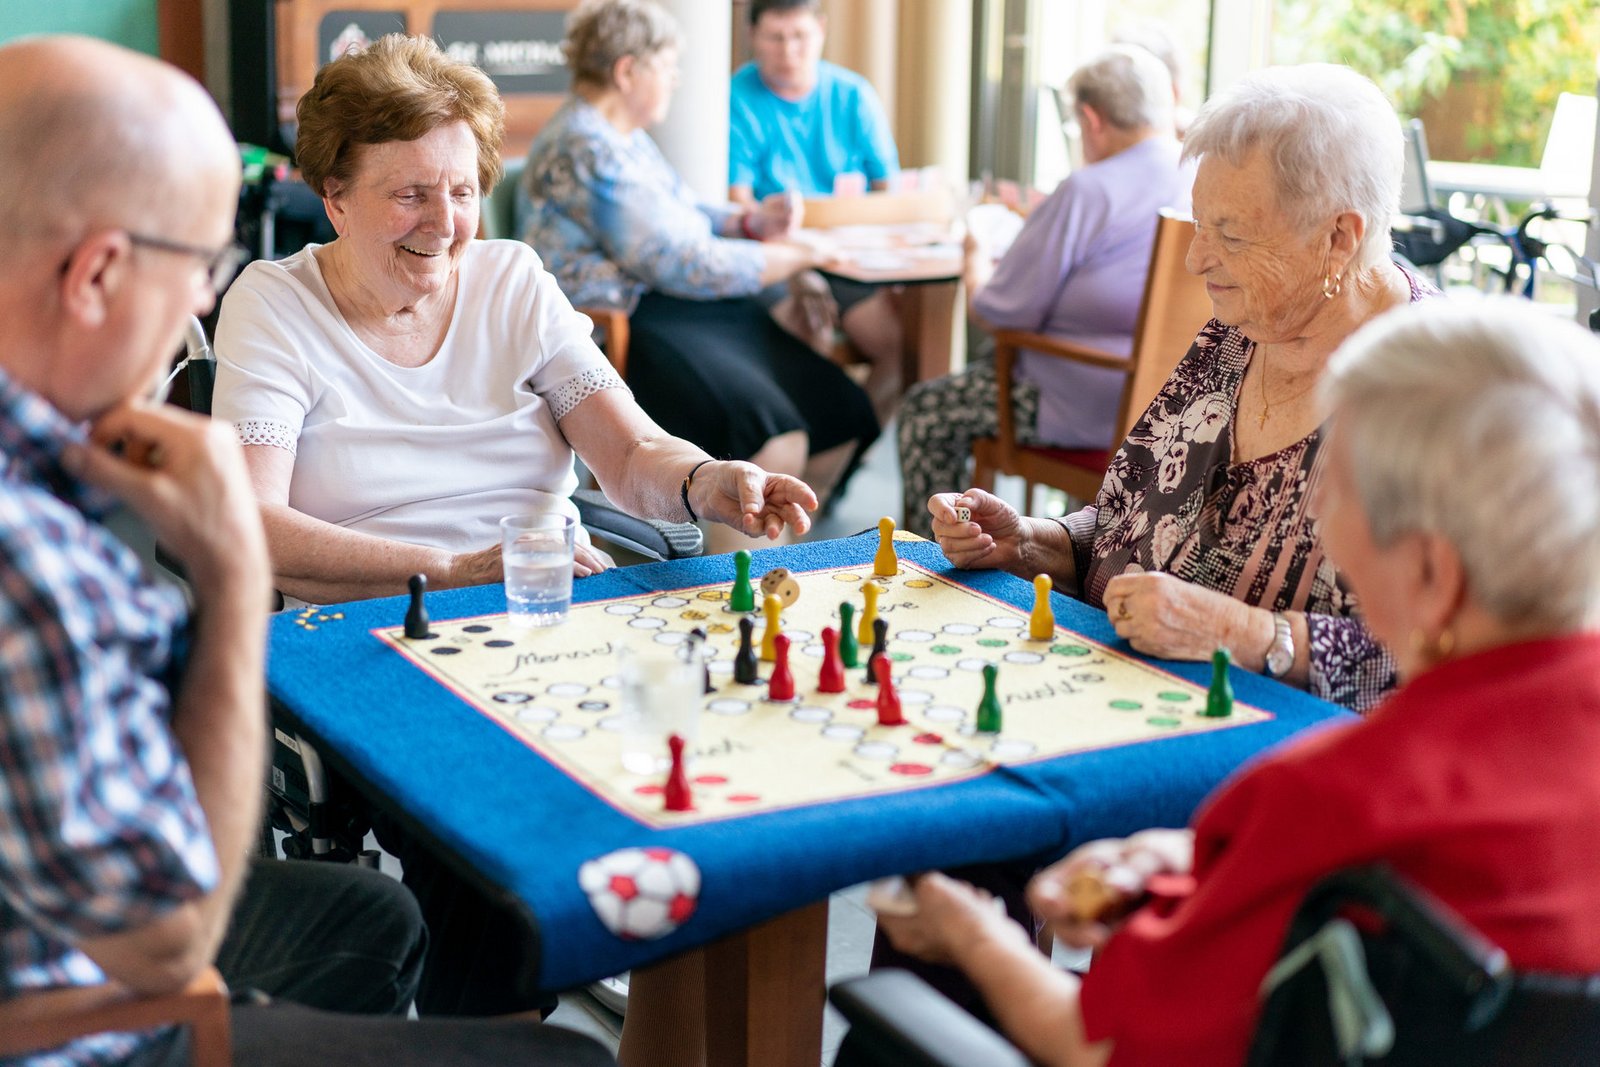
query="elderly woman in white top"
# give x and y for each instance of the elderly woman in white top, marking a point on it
(401, 389)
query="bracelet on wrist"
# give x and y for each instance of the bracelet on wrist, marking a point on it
(683, 490)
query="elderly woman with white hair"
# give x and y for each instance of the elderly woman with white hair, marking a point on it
(1461, 499)
(1204, 532)
(1074, 272)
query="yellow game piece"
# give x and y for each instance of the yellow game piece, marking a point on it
(772, 607)
(885, 564)
(870, 612)
(1042, 623)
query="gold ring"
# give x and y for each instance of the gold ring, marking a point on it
(1122, 609)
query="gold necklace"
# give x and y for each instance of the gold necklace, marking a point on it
(1266, 405)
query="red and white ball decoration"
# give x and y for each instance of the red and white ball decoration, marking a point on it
(641, 894)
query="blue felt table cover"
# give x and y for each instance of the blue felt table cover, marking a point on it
(526, 827)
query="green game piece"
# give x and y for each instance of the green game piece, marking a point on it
(743, 598)
(1126, 705)
(989, 706)
(1219, 700)
(849, 651)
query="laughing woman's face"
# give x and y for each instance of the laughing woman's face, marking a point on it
(409, 213)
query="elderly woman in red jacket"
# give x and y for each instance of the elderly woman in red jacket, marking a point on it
(1463, 503)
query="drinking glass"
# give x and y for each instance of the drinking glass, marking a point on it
(662, 689)
(536, 551)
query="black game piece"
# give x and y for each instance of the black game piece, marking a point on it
(417, 614)
(744, 661)
(880, 646)
(697, 646)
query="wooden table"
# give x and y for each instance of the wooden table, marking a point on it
(924, 259)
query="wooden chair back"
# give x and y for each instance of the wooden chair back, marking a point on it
(51, 1018)
(1172, 311)
(1174, 308)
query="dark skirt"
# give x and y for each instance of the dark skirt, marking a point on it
(723, 374)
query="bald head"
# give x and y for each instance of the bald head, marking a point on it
(92, 134)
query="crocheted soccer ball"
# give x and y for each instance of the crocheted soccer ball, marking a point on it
(641, 894)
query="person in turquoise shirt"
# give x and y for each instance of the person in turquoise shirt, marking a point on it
(796, 126)
(796, 122)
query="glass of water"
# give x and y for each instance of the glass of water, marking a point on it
(662, 690)
(536, 551)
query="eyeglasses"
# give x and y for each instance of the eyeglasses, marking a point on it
(220, 265)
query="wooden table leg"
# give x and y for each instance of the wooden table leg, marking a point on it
(927, 324)
(765, 989)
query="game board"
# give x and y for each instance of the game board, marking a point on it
(557, 690)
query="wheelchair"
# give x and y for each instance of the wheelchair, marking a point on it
(1374, 971)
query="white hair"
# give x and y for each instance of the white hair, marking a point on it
(1333, 142)
(1481, 423)
(1127, 86)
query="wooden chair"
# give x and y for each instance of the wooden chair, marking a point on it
(499, 221)
(1173, 310)
(51, 1018)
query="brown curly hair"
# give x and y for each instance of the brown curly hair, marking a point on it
(398, 89)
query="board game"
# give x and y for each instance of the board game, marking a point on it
(557, 690)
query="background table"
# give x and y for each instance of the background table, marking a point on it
(923, 258)
(521, 828)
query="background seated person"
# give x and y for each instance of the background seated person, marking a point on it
(800, 126)
(1462, 499)
(401, 389)
(797, 123)
(132, 730)
(619, 228)
(1204, 533)
(1076, 271)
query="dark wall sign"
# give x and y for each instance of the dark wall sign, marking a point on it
(341, 31)
(519, 50)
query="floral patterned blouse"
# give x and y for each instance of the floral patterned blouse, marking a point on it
(1175, 501)
(612, 220)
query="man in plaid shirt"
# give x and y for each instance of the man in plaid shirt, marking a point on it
(132, 734)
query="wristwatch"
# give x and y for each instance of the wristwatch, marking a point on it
(1280, 654)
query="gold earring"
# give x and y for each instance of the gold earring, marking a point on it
(1435, 650)
(1332, 285)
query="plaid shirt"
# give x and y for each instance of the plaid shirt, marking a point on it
(100, 829)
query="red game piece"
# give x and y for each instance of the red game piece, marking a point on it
(780, 686)
(888, 699)
(677, 788)
(831, 678)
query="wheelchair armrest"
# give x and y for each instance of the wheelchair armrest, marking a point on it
(895, 1017)
(648, 537)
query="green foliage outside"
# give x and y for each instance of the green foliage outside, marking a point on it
(1519, 54)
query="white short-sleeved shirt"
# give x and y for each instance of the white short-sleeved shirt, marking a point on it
(431, 455)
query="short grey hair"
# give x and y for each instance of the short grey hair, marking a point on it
(1333, 142)
(1481, 423)
(1127, 86)
(600, 32)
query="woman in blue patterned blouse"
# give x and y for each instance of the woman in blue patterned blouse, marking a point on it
(618, 227)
